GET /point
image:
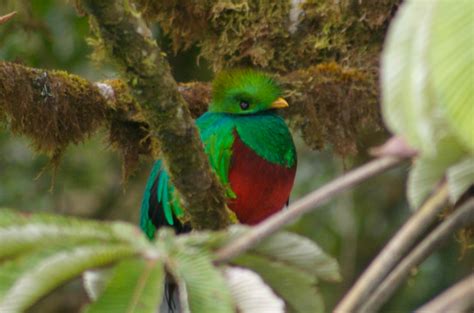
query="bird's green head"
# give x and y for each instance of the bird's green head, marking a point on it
(245, 91)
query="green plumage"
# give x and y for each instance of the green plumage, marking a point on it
(258, 126)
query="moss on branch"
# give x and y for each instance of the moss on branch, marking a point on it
(51, 107)
(329, 105)
(55, 109)
(280, 36)
(128, 41)
(332, 105)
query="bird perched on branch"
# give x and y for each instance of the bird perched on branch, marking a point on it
(250, 149)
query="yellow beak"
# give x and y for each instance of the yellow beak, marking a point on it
(279, 103)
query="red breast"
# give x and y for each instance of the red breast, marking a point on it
(262, 188)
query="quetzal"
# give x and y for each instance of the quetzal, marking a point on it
(250, 149)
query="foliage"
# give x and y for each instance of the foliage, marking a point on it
(427, 69)
(44, 251)
(336, 107)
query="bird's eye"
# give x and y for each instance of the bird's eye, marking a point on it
(244, 105)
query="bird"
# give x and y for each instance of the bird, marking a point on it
(249, 147)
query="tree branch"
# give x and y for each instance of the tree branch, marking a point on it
(393, 252)
(304, 205)
(461, 217)
(129, 42)
(458, 298)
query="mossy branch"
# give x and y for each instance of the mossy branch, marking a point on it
(129, 42)
(280, 36)
(329, 105)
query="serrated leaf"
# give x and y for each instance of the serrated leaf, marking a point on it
(13, 268)
(427, 171)
(209, 240)
(300, 252)
(200, 284)
(452, 65)
(407, 94)
(23, 232)
(294, 286)
(250, 293)
(55, 269)
(16, 239)
(460, 178)
(136, 286)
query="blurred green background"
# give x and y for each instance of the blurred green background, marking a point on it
(49, 34)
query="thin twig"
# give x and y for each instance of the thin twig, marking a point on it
(5, 18)
(458, 298)
(393, 252)
(306, 204)
(461, 217)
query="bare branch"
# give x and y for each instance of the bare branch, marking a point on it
(393, 252)
(304, 205)
(458, 298)
(461, 217)
(5, 18)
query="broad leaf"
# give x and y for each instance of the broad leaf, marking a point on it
(95, 281)
(250, 293)
(451, 55)
(22, 232)
(136, 286)
(427, 171)
(50, 272)
(296, 287)
(300, 252)
(200, 284)
(13, 268)
(283, 246)
(460, 178)
(408, 107)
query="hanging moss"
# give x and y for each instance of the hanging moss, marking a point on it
(330, 104)
(53, 108)
(273, 34)
(128, 130)
(186, 21)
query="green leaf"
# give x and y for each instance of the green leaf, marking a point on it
(286, 261)
(95, 281)
(451, 55)
(23, 232)
(407, 94)
(293, 285)
(200, 284)
(427, 171)
(136, 286)
(250, 293)
(38, 278)
(460, 178)
(286, 247)
(299, 252)
(13, 268)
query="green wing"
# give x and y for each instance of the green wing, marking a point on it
(218, 135)
(160, 204)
